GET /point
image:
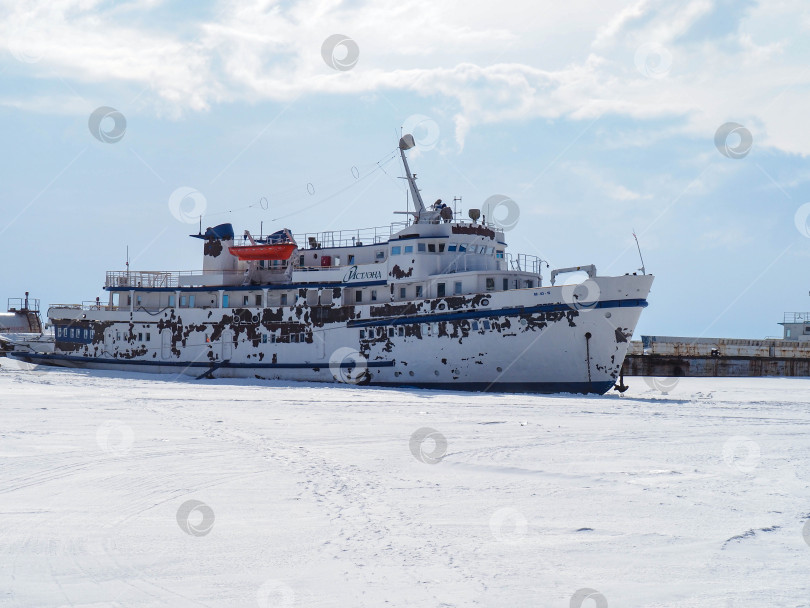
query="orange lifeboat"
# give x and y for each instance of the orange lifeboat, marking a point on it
(275, 251)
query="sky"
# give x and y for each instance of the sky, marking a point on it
(123, 122)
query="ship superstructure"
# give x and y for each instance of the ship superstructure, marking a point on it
(436, 301)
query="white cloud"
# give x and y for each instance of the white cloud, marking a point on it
(524, 62)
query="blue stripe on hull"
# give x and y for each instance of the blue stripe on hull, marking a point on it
(597, 388)
(70, 361)
(498, 312)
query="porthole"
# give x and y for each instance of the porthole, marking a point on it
(524, 322)
(485, 302)
(436, 372)
(410, 373)
(499, 369)
(607, 315)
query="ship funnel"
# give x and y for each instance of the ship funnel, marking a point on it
(474, 214)
(406, 142)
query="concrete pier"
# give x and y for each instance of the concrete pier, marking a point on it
(669, 356)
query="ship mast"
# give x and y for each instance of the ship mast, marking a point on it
(406, 142)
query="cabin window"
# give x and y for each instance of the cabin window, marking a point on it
(390, 332)
(362, 334)
(245, 300)
(529, 284)
(408, 248)
(380, 332)
(139, 300)
(191, 301)
(505, 284)
(401, 331)
(787, 333)
(129, 299)
(284, 299)
(273, 338)
(300, 260)
(499, 254)
(440, 290)
(358, 295)
(452, 247)
(140, 337)
(457, 287)
(171, 301)
(486, 324)
(373, 295)
(258, 299)
(147, 336)
(431, 248)
(264, 338)
(225, 300)
(117, 335)
(420, 247)
(475, 325)
(462, 247)
(302, 337)
(403, 292)
(293, 337)
(441, 247)
(490, 284)
(183, 302)
(396, 250)
(379, 254)
(351, 259)
(418, 291)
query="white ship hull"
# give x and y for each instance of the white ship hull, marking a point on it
(524, 340)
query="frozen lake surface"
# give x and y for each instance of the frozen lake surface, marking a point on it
(311, 495)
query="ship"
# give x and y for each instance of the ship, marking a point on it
(435, 301)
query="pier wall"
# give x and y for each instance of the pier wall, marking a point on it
(669, 356)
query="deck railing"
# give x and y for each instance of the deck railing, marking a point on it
(797, 317)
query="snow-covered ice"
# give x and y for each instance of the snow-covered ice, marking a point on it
(308, 495)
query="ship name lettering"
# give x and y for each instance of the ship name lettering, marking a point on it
(353, 275)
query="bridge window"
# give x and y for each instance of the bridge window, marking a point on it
(420, 247)
(396, 250)
(441, 247)
(408, 248)
(379, 254)
(462, 247)
(452, 247)
(431, 247)
(529, 284)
